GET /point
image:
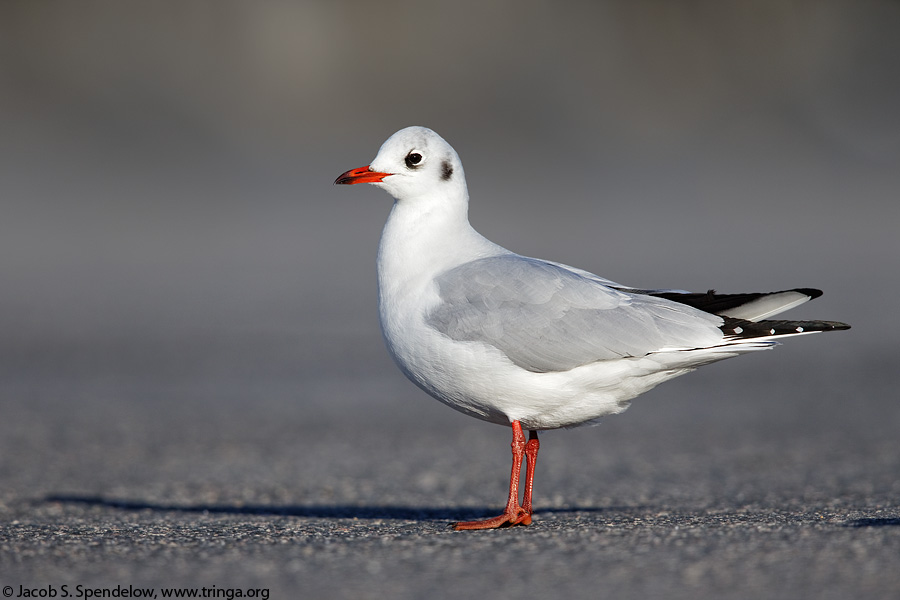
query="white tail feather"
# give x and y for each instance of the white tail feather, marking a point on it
(766, 306)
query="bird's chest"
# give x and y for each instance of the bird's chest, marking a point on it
(402, 307)
(406, 294)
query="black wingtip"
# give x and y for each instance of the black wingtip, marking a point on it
(813, 293)
(739, 328)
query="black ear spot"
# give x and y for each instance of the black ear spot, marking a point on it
(446, 170)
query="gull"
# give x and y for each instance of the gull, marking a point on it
(529, 343)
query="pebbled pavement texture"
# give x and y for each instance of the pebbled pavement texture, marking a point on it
(776, 476)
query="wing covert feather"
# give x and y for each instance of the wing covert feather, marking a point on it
(545, 317)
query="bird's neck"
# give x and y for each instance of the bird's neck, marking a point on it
(424, 238)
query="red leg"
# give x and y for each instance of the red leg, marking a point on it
(531, 452)
(514, 514)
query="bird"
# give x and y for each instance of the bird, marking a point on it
(527, 343)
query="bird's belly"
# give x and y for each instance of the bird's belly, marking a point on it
(479, 380)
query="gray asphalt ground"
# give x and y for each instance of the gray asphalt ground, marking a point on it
(770, 476)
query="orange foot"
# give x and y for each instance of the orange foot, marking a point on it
(508, 519)
(514, 514)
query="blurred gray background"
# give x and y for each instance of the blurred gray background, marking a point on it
(175, 261)
(167, 166)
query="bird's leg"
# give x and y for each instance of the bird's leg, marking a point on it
(514, 514)
(531, 452)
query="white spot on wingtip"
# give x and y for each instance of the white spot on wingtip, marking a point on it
(771, 332)
(738, 330)
(799, 330)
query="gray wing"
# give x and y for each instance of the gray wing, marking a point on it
(545, 317)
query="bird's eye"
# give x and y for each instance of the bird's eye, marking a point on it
(413, 159)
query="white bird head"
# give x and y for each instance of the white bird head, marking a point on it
(414, 162)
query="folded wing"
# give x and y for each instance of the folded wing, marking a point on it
(545, 317)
